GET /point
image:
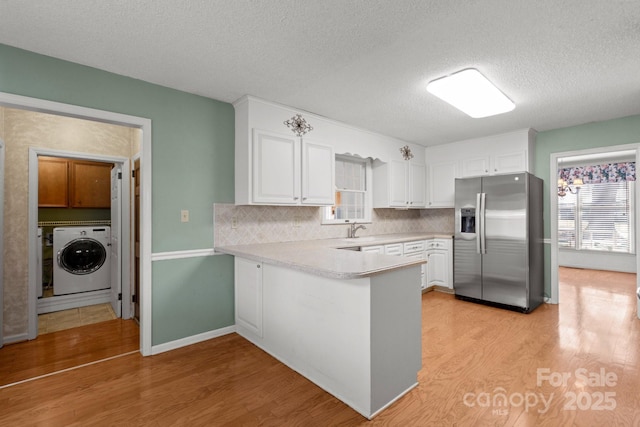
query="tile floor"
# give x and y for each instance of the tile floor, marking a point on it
(67, 319)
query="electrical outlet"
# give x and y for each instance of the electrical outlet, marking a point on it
(296, 221)
(234, 222)
(184, 215)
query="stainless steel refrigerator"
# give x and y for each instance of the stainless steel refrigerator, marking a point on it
(498, 241)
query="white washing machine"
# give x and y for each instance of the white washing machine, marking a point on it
(82, 259)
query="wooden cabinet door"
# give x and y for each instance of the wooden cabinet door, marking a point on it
(53, 182)
(90, 184)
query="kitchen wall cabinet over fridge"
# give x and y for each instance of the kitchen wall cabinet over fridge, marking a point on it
(287, 170)
(498, 163)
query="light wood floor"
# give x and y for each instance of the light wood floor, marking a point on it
(65, 349)
(74, 317)
(468, 350)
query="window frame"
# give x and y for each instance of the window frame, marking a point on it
(578, 211)
(368, 194)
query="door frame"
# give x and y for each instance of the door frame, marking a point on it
(2, 145)
(125, 252)
(144, 124)
(553, 204)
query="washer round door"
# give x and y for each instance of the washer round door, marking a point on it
(82, 256)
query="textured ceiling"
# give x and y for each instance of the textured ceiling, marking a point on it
(363, 62)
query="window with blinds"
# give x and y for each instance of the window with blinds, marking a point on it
(352, 201)
(599, 217)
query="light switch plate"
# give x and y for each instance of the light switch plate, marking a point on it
(184, 215)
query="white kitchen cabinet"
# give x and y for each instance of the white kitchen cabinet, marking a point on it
(287, 170)
(248, 294)
(318, 173)
(394, 249)
(439, 263)
(509, 162)
(476, 166)
(378, 249)
(442, 183)
(399, 184)
(416, 249)
(495, 163)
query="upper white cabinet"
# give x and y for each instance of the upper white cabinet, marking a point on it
(288, 170)
(498, 154)
(276, 168)
(495, 163)
(399, 184)
(441, 184)
(318, 173)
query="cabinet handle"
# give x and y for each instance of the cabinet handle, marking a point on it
(495, 170)
(486, 170)
(295, 198)
(258, 266)
(304, 198)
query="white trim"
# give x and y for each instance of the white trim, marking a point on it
(11, 339)
(194, 339)
(65, 302)
(35, 104)
(193, 253)
(546, 241)
(553, 204)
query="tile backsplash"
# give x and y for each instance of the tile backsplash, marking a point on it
(263, 224)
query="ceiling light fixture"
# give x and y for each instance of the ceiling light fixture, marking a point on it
(471, 92)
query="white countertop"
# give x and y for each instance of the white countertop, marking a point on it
(327, 258)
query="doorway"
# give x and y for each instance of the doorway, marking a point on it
(628, 152)
(83, 219)
(144, 125)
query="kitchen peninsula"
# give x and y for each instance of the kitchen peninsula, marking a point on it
(347, 320)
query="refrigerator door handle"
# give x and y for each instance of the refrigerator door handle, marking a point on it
(479, 220)
(483, 237)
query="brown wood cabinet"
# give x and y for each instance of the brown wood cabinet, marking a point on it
(72, 183)
(53, 182)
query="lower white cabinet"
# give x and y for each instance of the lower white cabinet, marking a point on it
(248, 294)
(439, 263)
(378, 249)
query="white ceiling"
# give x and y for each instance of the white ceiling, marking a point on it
(363, 62)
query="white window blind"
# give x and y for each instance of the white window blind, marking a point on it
(599, 217)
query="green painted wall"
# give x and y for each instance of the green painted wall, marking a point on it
(620, 131)
(192, 153)
(195, 289)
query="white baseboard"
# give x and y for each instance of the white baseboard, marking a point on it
(66, 302)
(183, 342)
(15, 338)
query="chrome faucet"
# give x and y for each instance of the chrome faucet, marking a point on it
(351, 233)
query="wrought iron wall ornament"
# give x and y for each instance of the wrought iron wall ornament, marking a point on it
(406, 152)
(298, 125)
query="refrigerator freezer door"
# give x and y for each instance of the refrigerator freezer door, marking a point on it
(467, 265)
(505, 263)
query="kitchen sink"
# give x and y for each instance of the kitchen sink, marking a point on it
(351, 248)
